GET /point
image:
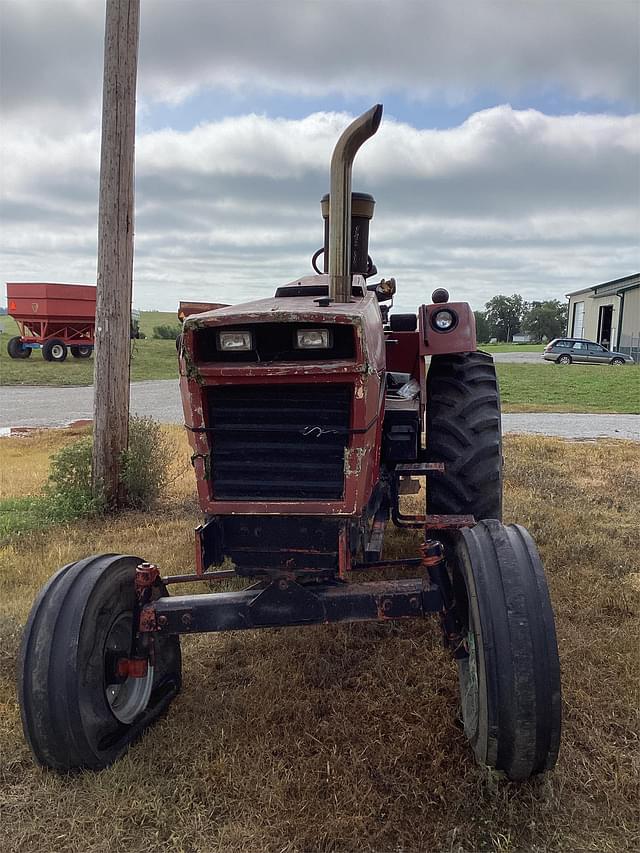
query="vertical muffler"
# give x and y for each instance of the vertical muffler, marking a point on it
(339, 250)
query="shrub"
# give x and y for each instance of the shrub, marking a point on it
(144, 472)
(145, 463)
(69, 489)
(166, 332)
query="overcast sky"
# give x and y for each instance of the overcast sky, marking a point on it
(508, 159)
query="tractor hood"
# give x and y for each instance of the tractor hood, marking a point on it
(304, 299)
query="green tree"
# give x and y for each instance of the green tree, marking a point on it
(504, 315)
(483, 330)
(545, 319)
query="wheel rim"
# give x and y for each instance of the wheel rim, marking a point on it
(616, 362)
(57, 350)
(564, 359)
(468, 677)
(127, 698)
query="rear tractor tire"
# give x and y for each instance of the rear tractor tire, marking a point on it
(54, 350)
(17, 349)
(509, 671)
(81, 351)
(464, 431)
(77, 712)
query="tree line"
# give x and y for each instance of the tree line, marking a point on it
(506, 316)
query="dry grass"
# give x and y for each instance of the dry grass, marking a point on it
(24, 459)
(342, 739)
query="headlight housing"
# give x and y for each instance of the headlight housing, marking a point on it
(444, 320)
(234, 341)
(313, 339)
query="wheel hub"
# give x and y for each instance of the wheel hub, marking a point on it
(129, 696)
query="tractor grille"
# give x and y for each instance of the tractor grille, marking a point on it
(258, 447)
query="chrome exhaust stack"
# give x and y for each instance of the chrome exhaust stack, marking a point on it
(340, 201)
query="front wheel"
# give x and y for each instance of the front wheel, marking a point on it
(564, 359)
(617, 362)
(54, 350)
(17, 349)
(508, 665)
(78, 710)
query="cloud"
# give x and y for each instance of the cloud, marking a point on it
(51, 53)
(509, 201)
(372, 46)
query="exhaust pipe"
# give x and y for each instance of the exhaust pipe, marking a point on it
(340, 201)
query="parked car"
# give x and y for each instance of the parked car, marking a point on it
(568, 350)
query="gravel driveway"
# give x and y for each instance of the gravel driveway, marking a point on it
(22, 406)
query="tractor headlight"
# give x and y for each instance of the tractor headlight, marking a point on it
(443, 321)
(313, 339)
(235, 341)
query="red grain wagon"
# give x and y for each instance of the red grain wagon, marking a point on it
(54, 317)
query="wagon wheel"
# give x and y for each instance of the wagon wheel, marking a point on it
(54, 350)
(77, 711)
(509, 671)
(81, 351)
(17, 349)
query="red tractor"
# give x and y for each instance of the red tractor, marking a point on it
(307, 414)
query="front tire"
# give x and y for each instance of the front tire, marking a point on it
(77, 713)
(17, 349)
(464, 431)
(617, 362)
(54, 350)
(510, 673)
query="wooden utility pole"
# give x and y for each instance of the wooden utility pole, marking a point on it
(115, 246)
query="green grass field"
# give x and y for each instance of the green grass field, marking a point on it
(150, 319)
(150, 359)
(576, 388)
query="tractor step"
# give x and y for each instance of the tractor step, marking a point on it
(430, 521)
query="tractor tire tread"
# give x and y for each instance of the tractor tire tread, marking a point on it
(521, 659)
(464, 431)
